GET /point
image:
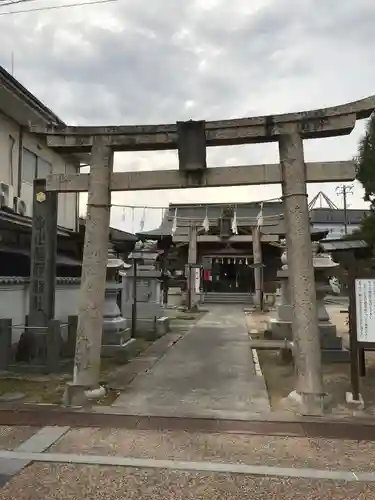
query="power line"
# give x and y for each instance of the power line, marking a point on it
(54, 7)
(172, 206)
(4, 3)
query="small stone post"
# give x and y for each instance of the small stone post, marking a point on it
(93, 281)
(258, 271)
(192, 260)
(5, 343)
(301, 275)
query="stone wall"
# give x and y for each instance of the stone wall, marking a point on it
(14, 300)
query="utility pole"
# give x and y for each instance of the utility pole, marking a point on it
(343, 190)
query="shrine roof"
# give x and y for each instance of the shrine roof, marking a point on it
(342, 244)
(246, 215)
(116, 234)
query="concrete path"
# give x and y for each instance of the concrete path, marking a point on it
(208, 373)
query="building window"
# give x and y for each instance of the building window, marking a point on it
(29, 166)
(44, 168)
(34, 167)
(12, 142)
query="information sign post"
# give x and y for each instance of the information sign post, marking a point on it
(361, 328)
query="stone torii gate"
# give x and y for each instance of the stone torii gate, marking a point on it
(191, 139)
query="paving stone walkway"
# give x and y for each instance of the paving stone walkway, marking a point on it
(209, 372)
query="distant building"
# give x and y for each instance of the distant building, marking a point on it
(23, 158)
(333, 220)
(225, 255)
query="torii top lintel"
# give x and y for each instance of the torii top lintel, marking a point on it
(325, 122)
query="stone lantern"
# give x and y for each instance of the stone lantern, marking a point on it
(150, 320)
(116, 335)
(281, 326)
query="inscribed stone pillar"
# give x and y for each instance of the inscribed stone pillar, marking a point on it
(94, 267)
(43, 255)
(301, 274)
(257, 261)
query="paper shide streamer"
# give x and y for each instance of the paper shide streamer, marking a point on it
(206, 223)
(234, 223)
(174, 223)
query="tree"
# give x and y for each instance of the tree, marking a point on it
(366, 161)
(366, 175)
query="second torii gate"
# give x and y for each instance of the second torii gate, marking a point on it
(191, 139)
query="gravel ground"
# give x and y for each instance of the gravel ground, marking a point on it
(67, 482)
(11, 437)
(253, 450)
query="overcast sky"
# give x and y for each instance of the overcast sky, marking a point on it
(159, 61)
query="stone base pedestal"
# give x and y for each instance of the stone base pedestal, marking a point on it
(81, 396)
(311, 405)
(115, 332)
(279, 330)
(331, 345)
(116, 338)
(356, 404)
(152, 329)
(121, 352)
(335, 356)
(162, 326)
(285, 312)
(193, 309)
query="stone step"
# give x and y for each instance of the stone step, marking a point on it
(226, 294)
(261, 344)
(219, 296)
(227, 298)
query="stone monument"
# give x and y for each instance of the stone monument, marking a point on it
(150, 319)
(281, 326)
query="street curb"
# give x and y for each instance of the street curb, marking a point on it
(258, 369)
(254, 352)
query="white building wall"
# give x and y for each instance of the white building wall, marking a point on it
(335, 231)
(9, 132)
(47, 160)
(14, 304)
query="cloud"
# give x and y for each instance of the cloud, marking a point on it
(136, 61)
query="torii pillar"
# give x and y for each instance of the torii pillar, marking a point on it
(257, 266)
(309, 387)
(192, 265)
(85, 383)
